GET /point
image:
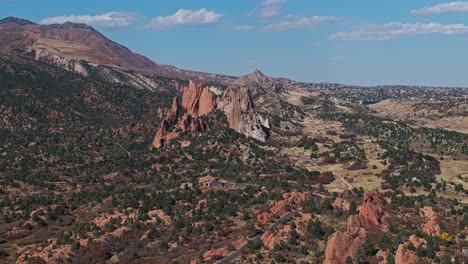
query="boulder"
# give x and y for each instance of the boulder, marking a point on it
(431, 226)
(405, 256)
(342, 204)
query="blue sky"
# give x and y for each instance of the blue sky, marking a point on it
(364, 42)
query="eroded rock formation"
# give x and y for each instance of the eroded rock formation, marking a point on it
(242, 117)
(431, 227)
(371, 213)
(405, 256)
(198, 101)
(340, 245)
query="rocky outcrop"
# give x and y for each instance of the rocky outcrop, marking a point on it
(163, 135)
(431, 226)
(382, 256)
(239, 243)
(290, 201)
(405, 256)
(172, 121)
(52, 253)
(340, 245)
(371, 212)
(342, 204)
(199, 101)
(215, 253)
(269, 238)
(239, 109)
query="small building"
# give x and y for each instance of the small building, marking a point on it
(463, 246)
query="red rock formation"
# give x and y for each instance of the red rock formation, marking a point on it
(52, 253)
(416, 241)
(382, 257)
(160, 138)
(296, 197)
(340, 245)
(263, 218)
(341, 204)
(277, 208)
(371, 213)
(175, 106)
(215, 252)
(206, 103)
(179, 87)
(189, 122)
(197, 101)
(239, 243)
(191, 97)
(343, 244)
(280, 207)
(431, 227)
(405, 256)
(269, 239)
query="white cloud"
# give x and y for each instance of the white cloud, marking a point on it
(451, 7)
(244, 27)
(274, 2)
(270, 8)
(269, 11)
(397, 29)
(316, 44)
(297, 22)
(109, 20)
(337, 58)
(185, 17)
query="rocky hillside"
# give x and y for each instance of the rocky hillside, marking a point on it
(69, 45)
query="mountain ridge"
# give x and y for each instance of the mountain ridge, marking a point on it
(76, 41)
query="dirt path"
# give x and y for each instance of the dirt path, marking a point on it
(350, 187)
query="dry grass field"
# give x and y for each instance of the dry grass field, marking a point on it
(71, 50)
(451, 116)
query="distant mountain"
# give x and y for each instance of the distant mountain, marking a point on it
(261, 83)
(72, 41)
(64, 44)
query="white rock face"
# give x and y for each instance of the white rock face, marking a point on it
(242, 117)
